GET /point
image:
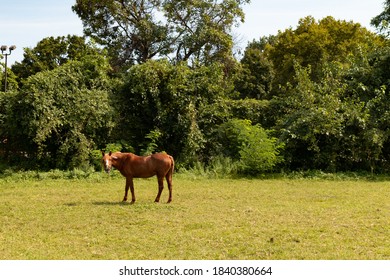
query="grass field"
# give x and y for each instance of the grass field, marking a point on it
(208, 219)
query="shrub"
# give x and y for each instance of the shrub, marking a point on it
(251, 145)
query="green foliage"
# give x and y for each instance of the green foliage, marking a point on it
(251, 145)
(371, 84)
(51, 53)
(321, 89)
(164, 98)
(113, 147)
(202, 29)
(382, 21)
(95, 157)
(154, 137)
(66, 112)
(10, 175)
(12, 83)
(257, 74)
(217, 167)
(333, 124)
(315, 43)
(323, 105)
(130, 30)
(136, 31)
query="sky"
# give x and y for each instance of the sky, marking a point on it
(25, 22)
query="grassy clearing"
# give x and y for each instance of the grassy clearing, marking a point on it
(208, 219)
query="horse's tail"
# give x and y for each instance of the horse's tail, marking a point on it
(170, 172)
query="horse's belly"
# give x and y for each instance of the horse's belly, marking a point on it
(144, 174)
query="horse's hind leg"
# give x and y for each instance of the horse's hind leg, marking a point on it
(160, 180)
(169, 181)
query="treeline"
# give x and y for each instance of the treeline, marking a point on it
(311, 97)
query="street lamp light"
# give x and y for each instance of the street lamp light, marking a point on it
(3, 49)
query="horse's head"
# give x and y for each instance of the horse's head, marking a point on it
(107, 161)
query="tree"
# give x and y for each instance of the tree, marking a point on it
(382, 20)
(309, 120)
(369, 82)
(338, 123)
(160, 106)
(202, 29)
(257, 74)
(130, 30)
(58, 116)
(51, 53)
(12, 83)
(137, 30)
(317, 43)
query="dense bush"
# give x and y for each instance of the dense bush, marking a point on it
(58, 116)
(251, 145)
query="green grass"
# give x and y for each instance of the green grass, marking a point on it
(208, 219)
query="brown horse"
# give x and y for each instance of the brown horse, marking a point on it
(133, 166)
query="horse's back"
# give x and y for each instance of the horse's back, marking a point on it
(161, 157)
(162, 162)
(146, 166)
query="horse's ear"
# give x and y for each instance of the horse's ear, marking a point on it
(110, 153)
(103, 152)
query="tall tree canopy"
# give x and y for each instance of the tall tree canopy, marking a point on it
(50, 53)
(318, 44)
(137, 30)
(382, 21)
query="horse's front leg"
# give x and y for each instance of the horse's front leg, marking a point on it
(126, 190)
(129, 185)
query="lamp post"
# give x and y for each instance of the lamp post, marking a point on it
(4, 52)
